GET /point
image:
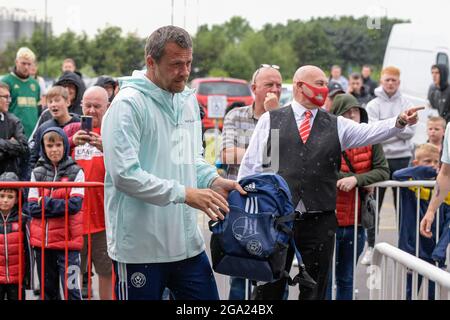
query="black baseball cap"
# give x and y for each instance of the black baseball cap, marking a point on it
(334, 88)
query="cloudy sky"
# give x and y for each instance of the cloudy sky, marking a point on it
(144, 17)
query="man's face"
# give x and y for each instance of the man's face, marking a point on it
(267, 81)
(8, 198)
(4, 100)
(95, 105)
(315, 78)
(54, 150)
(429, 160)
(23, 66)
(328, 103)
(353, 114)
(436, 76)
(390, 83)
(171, 73)
(110, 89)
(72, 91)
(356, 85)
(58, 107)
(68, 66)
(336, 73)
(366, 72)
(33, 69)
(435, 132)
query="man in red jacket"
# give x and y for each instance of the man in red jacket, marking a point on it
(87, 151)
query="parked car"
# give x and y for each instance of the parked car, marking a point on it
(236, 90)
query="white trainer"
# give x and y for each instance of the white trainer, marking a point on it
(367, 258)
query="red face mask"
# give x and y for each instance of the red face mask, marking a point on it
(319, 95)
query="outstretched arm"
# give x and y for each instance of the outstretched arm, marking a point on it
(441, 190)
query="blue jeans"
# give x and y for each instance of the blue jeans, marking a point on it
(431, 285)
(344, 261)
(189, 279)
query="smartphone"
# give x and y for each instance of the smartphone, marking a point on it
(86, 123)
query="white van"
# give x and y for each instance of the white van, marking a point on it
(414, 48)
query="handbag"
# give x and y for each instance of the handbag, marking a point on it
(368, 202)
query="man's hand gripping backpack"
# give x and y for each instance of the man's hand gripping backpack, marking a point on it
(253, 239)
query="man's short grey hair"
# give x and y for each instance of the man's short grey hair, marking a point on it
(4, 86)
(158, 39)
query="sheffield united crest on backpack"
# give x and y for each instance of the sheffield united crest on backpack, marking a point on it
(252, 241)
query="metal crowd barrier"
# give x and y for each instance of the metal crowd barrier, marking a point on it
(402, 263)
(42, 185)
(386, 184)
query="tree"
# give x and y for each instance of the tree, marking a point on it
(236, 29)
(313, 46)
(237, 62)
(209, 45)
(233, 48)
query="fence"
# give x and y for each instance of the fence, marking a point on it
(41, 186)
(382, 252)
(412, 259)
(402, 264)
(373, 275)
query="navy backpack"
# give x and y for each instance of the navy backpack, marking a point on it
(253, 239)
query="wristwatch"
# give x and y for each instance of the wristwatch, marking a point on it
(402, 123)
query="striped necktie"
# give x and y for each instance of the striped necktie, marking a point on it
(305, 127)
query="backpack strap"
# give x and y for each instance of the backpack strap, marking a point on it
(280, 223)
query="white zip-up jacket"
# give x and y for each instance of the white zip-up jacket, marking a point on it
(152, 150)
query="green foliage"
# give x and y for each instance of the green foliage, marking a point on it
(237, 62)
(216, 72)
(231, 49)
(109, 52)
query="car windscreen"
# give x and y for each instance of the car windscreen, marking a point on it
(229, 89)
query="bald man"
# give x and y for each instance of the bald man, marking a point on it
(306, 145)
(87, 151)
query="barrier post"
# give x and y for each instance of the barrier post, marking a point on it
(66, 244)
(21, 248)
(43, 235)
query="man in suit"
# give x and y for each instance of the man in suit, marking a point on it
(307, 154)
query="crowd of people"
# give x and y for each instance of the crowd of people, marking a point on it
(145, 145)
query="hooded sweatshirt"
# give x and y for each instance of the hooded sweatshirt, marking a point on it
(439, 97)
(383, 107)
(152, 148)
(368, 162)
(75, 106)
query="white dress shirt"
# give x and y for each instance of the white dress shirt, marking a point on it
(351, 135)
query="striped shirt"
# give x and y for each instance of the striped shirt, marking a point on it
(237, 130)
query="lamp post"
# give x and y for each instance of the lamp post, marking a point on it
(171, 20)
(45, 40)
